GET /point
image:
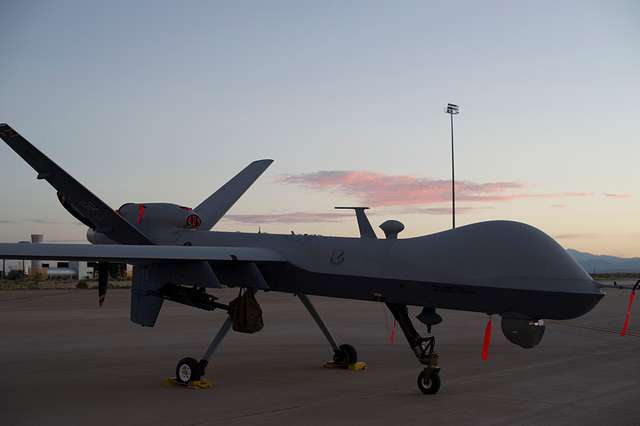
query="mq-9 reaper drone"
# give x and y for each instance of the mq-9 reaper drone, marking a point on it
(496, 267)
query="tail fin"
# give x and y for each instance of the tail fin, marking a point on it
(366, 230)
(213, 208)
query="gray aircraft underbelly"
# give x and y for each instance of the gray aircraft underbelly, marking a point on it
(493, 267)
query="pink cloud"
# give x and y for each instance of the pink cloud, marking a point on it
(611, 195)
(377, 189)
(576, 236)
(293, 217)
(445, 210)
(576, 194)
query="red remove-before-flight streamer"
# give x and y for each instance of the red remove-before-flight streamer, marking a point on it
(629, 305)
(392, 336)
(487, 340)
(141, 208)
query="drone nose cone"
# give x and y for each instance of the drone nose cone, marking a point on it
(514, 264)
(580, 302)
(526, 259)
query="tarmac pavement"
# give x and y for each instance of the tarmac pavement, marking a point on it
(66, 362)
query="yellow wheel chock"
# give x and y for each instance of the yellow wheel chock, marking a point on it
(357, 366)
(194, 384)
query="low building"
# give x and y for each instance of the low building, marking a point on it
(51, 268)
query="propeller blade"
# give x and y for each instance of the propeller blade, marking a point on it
(487, 340)
(103, 281)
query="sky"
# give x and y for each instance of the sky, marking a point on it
(154, 101)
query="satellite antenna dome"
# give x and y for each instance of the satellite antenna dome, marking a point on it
(391, 229)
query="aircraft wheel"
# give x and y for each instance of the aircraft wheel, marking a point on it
(429, 384)
(345, 355)
(187, 370)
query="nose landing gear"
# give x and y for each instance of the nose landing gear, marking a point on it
(423, 348)
(429, 381)
(429, 377)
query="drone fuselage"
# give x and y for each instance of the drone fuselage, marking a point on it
(497, 267)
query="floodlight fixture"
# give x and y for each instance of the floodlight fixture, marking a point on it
(453, 109)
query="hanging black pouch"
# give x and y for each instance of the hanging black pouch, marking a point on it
(245, 313)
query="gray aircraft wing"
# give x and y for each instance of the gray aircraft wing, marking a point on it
(137, 253)
(77, 199)
(217, 204)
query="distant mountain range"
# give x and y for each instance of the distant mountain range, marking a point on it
(605, 264)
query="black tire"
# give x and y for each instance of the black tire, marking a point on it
(430, 384)
(351, 356)
(188, 370)
(340, 358)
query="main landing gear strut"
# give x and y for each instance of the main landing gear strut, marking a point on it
(343, 355)
(423, 348)
(189, 370)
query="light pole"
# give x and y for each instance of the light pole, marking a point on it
(453, 109)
